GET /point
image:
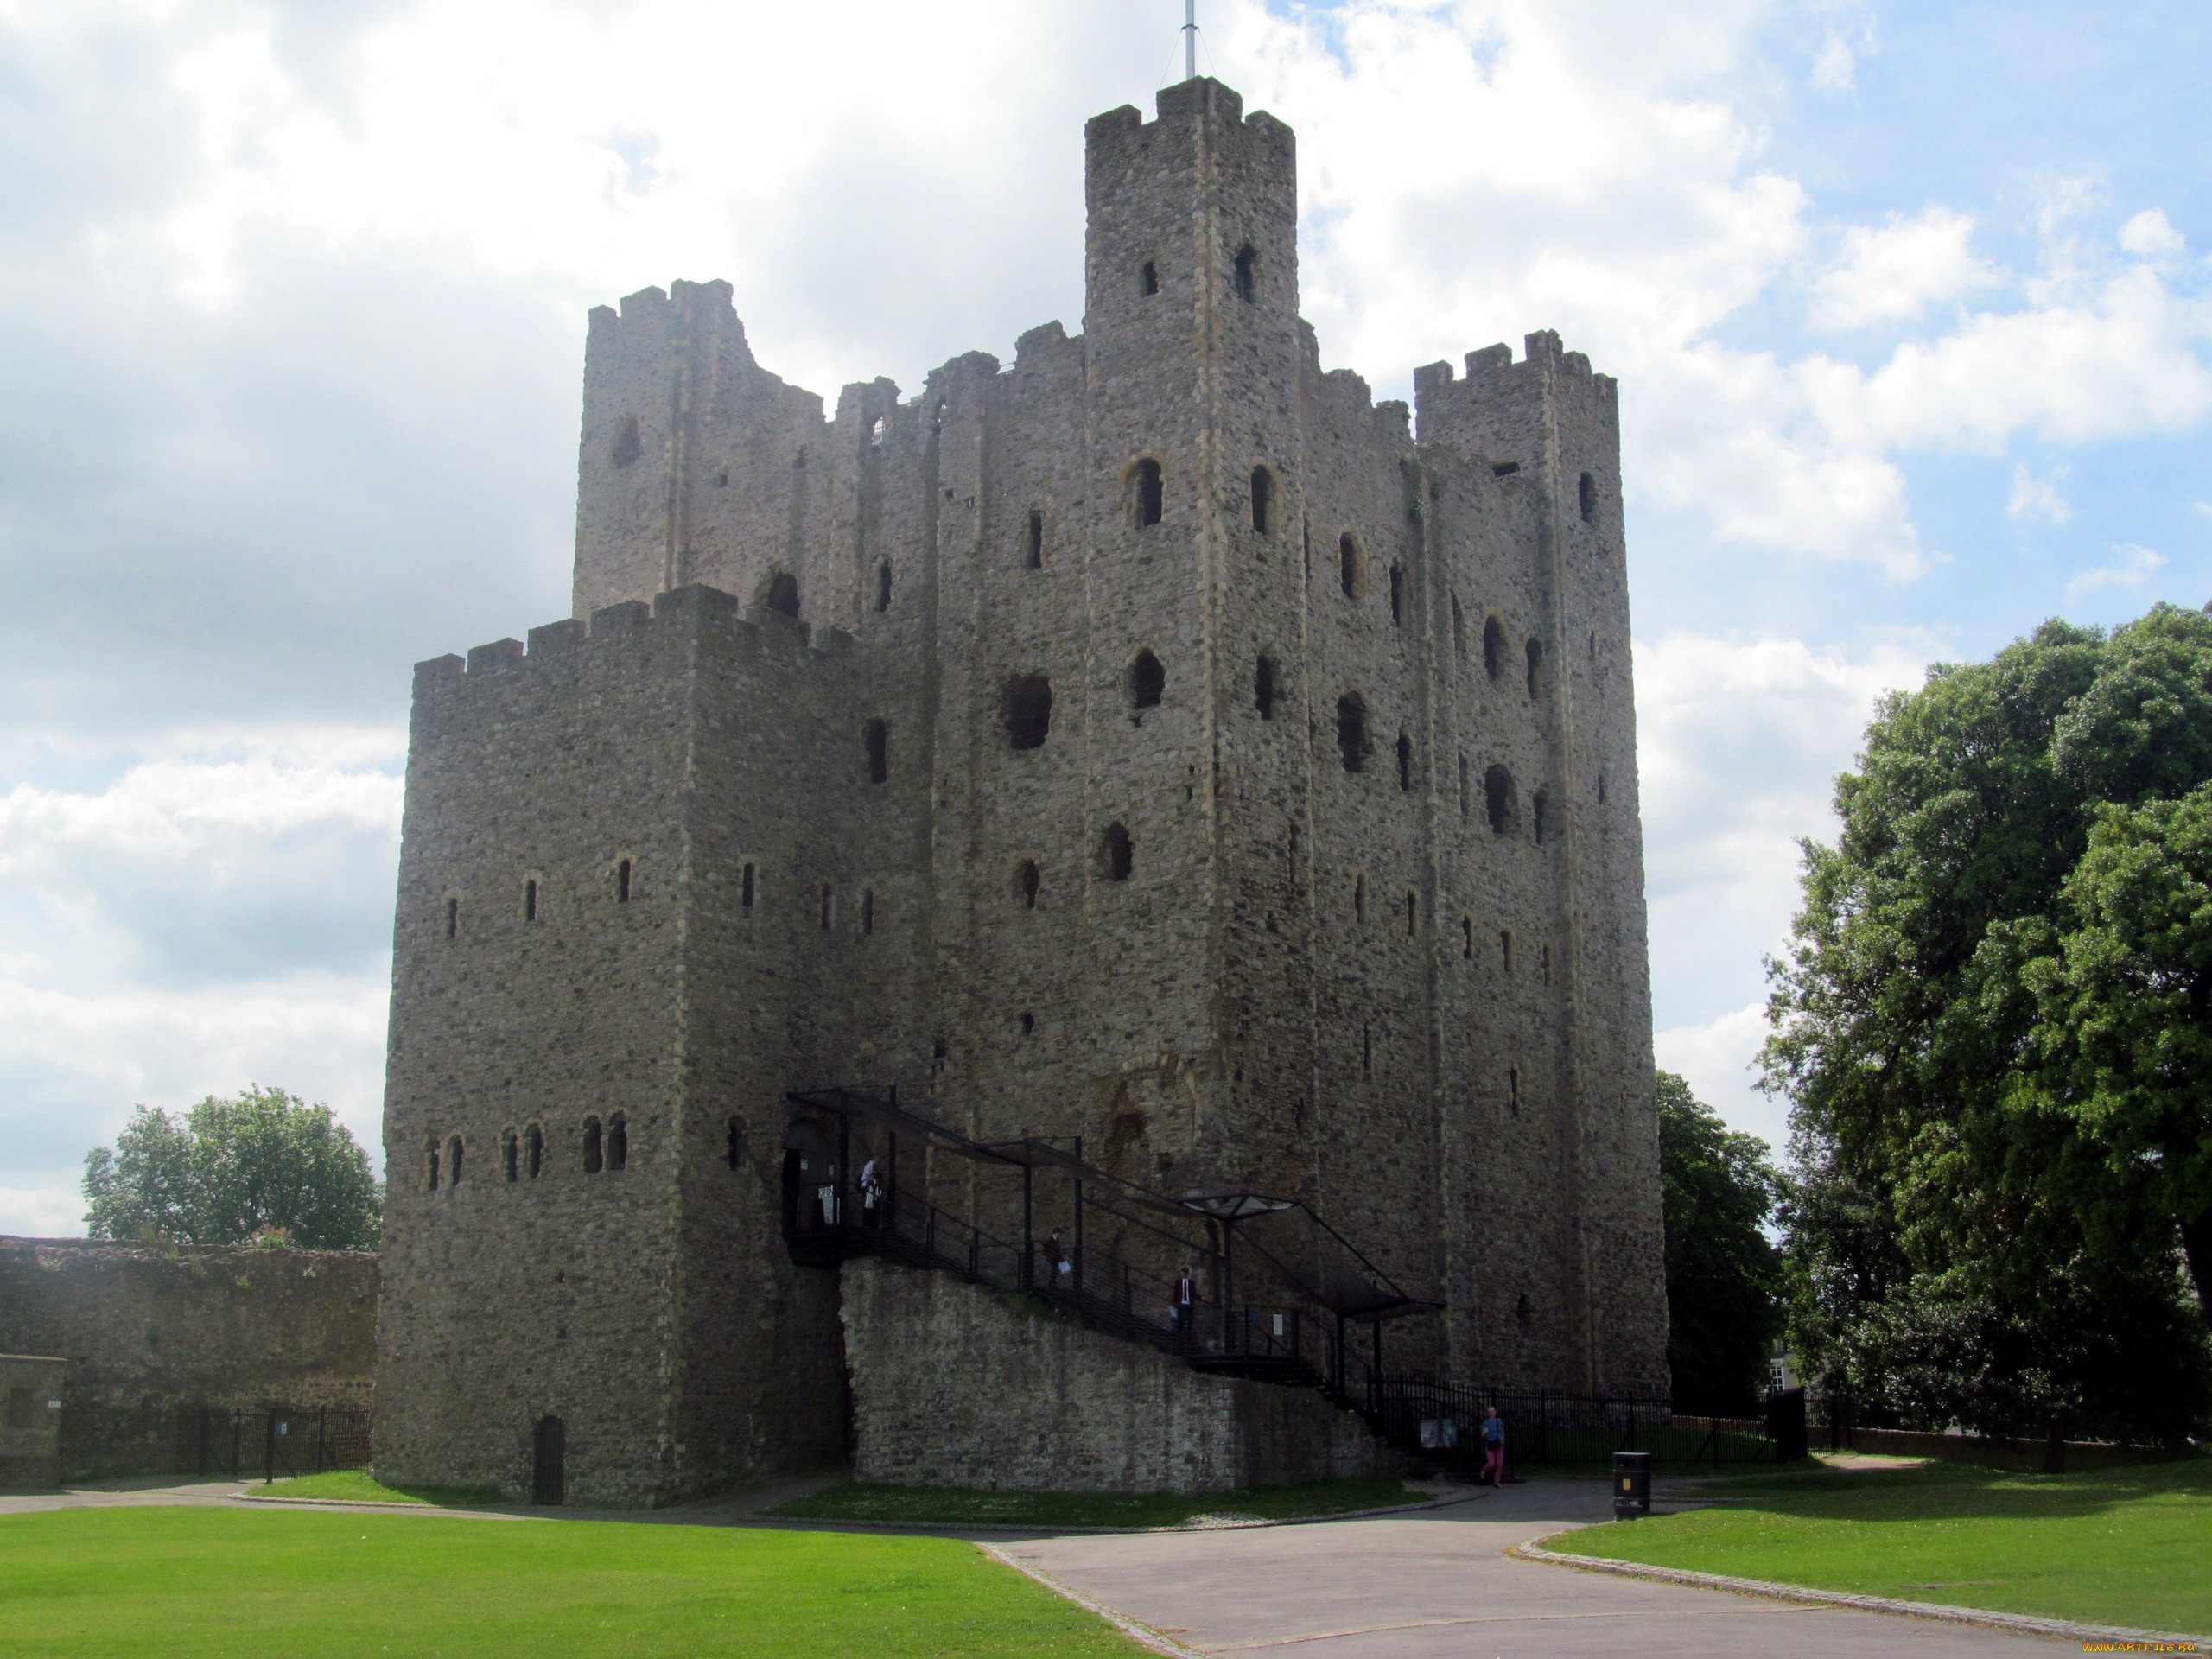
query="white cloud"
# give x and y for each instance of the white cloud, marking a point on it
(2037, 499)
(2152, 235)
(1895, 272)
(1836, 68)
(43, 1212)
(1716, 1058)
(2130, 565)
(1738, 743)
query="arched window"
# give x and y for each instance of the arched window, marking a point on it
(430, 1165)
(1117, 853)
(745, 883)
(1348, 565)
(1398, 595)
(618, 1141)
(1539, 813)
(1028, 711)
(1246, 274)
(1413, 914)
(1026, 881)
(1148, 278)
(529, 901)
(628, 446)
(1535, 654)
(1405, 761)
(1497, 799)
(829, 908)
(453, 918)
(877, 737)
(1505, 948)
(1147, 680)
(622, 881)
(883, 585)
(1263, 687)
(1589, 498)
(782, 596)
(1033, 557)
(533, 1151)
(595, 1151)
(876, 432)
(867, 910)
(1360, 897)
(453, 1161)
(510, 1162)
(1352, 731)
(1148, 493)
(1028, 1022)
(1466, 938)
(1494, 647)
(734, 1144)
(1263, 499)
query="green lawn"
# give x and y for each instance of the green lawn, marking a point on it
(185, 1583)
(859, 1503)
(2129, 1545)
(358, 1486)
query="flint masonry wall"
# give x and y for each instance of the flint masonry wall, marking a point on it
(954, 1385)
(1379, 944)
(150, 1329)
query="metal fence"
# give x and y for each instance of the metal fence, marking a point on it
(1444, 1421)
(275, 1443)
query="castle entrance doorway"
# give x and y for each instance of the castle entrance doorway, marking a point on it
(548, 1462)
(809, 1179)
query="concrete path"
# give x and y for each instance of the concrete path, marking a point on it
(1438, 1586)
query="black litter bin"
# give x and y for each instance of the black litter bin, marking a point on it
(1631, 1485)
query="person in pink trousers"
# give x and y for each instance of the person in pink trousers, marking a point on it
(1494, 1447)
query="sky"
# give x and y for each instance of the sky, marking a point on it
(1908, 304)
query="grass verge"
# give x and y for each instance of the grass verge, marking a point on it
(954, 1504)
(2114, 1547)
(358, 1486)
(198, 1583)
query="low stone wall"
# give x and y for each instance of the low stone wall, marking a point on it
(152, 1332)
(956, 1385)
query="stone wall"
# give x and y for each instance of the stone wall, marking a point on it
(148, 1331)
(30, 1419)
(956, 1385)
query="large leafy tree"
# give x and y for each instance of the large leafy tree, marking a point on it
(1718, 1188)
(1993, 1199)
(264, 1164)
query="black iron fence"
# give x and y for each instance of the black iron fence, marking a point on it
(1443, 1423)
(275, 1443)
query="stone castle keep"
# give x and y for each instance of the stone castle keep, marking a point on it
(1153, 757)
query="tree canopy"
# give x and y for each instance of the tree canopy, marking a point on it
(1991, 1026)
(1723, 1275)
(264, 1165)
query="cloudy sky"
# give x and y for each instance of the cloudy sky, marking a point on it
(1908, 304)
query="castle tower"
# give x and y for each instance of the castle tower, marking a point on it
(1153, 742)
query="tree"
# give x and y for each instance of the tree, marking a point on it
(1979, 1194)
(265, 1163)
(1718, 1187)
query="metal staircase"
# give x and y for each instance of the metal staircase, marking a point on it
(1274, 1294)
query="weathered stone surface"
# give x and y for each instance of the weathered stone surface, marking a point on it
(149, 1330)
(30, 1419)
(1401, 978)
(956, 1385)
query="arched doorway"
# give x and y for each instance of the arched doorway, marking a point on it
(548, 1462)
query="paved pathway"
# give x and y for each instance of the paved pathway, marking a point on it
(1438, 1586)
(1435, 1585)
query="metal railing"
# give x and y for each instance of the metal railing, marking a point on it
(275, 1443)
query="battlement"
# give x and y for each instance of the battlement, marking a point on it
(1498, 411)
(683, 613)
